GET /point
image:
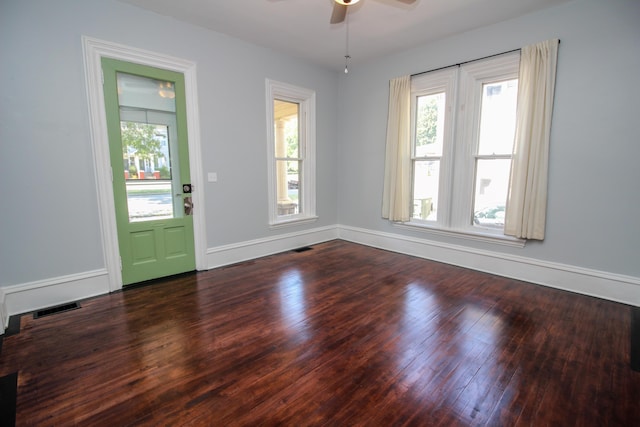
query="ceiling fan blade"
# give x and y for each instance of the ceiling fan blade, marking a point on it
(339, 13)
(407, 1)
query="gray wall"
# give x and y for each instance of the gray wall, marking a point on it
(49, 225)
(594, 182)
(50, 221)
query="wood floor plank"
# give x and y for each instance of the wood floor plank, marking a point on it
(342, 334)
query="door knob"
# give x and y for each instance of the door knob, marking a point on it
(188, 206)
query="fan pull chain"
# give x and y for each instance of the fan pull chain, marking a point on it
(346, 56)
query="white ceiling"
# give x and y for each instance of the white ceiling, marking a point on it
(376, 27)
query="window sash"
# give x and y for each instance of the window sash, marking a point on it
(474, 77)
(441, 81)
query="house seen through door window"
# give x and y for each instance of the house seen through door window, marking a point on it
(148, 132)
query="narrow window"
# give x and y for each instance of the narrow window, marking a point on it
(291, 150)
(427, 154)
(288, 156)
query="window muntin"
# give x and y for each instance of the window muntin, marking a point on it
(477, 142)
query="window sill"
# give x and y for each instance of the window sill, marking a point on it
(293, 221)
(475, 235)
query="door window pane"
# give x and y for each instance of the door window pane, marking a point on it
(147, 171)
(147, 130)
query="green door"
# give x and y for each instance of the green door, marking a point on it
(146, 123)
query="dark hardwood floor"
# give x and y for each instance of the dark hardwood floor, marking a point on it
(338, 335)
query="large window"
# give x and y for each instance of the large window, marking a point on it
(463, 124)
(291, 149)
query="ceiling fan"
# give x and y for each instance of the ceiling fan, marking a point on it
(340, 9)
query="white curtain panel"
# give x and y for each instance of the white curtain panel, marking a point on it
(527, 198)
(397, 167)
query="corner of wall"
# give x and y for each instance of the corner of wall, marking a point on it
(19, 299)
(243, 251)
(599, 284)
(27, 297)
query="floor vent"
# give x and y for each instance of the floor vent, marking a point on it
(304, 249)
(55, 310)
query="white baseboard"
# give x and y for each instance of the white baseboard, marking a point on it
(27, 297)
(243, 251)
(4, 318)
(605, 285)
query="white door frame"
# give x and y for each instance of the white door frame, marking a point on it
(94, 50)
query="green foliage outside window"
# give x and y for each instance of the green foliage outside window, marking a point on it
(427, 121)
(139, 138)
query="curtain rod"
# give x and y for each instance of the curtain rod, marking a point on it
(466, 62)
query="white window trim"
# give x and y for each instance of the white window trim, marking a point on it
(472, 77)
(438, 81)
(463, 124)
(478, 235)
(306, 98)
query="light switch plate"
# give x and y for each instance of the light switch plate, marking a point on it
(212, 177)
